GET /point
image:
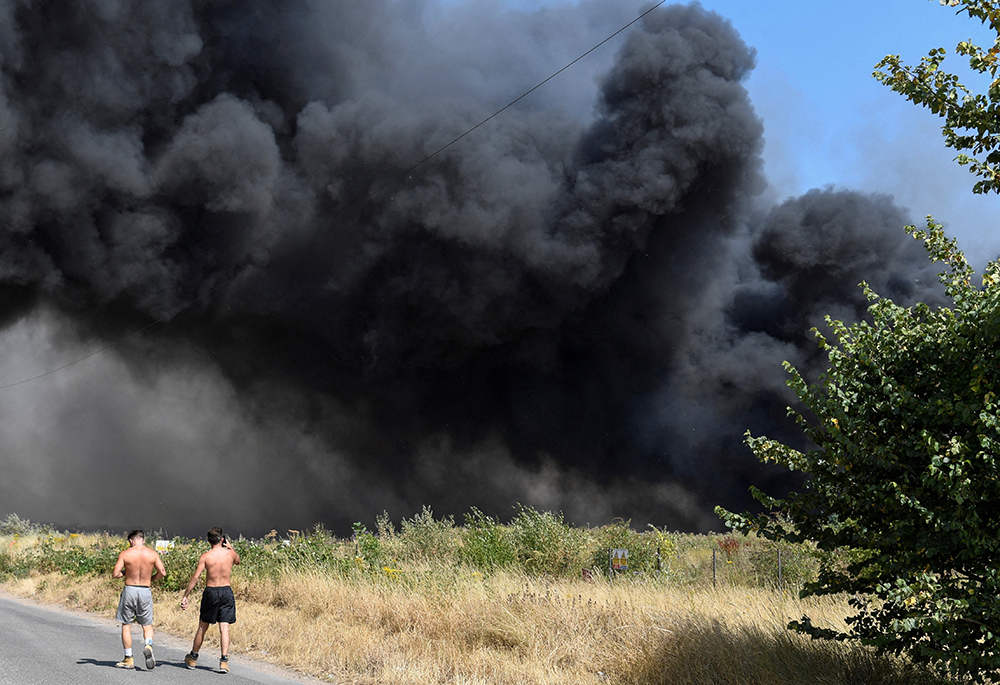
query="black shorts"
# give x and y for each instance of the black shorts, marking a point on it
(218, 605)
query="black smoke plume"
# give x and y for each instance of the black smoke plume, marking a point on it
(579, 306)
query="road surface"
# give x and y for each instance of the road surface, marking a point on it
(39, 646)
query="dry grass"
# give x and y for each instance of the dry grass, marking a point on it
(437, 625)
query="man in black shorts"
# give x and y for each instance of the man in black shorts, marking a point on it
(217, 602)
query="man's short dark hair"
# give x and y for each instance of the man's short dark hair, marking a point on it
(215, 536)
(137, 533)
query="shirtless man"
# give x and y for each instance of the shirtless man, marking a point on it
(138, 565)
(217, 602)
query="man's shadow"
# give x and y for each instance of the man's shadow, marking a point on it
(97, 662)
(138, 666)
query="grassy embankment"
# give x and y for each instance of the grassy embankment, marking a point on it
(435, 602)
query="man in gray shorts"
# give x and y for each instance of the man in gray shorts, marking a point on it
(138, 565)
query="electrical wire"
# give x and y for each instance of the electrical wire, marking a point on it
(161, 320)
(517, 99)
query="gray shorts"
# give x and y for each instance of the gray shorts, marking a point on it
(136, 604)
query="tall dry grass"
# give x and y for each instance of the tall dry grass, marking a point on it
(438, 624)
(487, 603)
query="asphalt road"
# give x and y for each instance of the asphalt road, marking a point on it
(42, 645)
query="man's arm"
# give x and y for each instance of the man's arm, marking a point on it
(118, 570)
(194, 580)
(232, 552)
(159, 570)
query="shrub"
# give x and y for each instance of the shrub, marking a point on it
(487, 544)
(13, 566)
(367, 547)
(314, 550)
(79, 561)
(545, 544)
(15, 525)
(180, 562)
(903, 431)
(424, 537)
(642, 548)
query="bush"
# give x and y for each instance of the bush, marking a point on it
(15, 525)
(180, 562)
(79, 561)
(315, 551)
(545, 544)
(13, 566)
(642, 548)
(487, 544)
(424, 537)
(903, 465)
(368, 549)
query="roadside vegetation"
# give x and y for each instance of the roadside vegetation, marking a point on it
(529, 601)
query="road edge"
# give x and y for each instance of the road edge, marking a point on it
(162, 636)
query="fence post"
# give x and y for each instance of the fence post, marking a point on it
(779, 569)
(713, 568)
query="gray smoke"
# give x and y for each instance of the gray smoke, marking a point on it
(576, 307)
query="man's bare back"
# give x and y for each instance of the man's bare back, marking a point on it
(218, 563)
(137, 565)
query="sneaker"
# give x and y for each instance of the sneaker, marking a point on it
(224, 665)
(147, 652)
(190, 660)
(125, 663)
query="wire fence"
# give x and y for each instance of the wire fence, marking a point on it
(727, 562)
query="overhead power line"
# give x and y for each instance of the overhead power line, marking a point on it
(517, 99)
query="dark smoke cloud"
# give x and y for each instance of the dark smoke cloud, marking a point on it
(800, 261)
(576, 307)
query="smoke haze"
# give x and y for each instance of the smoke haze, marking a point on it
(580, 306)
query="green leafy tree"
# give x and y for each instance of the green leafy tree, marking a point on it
(971, 120)
(904, 468)
(904, 472)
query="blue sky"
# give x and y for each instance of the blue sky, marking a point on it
(828, 122)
